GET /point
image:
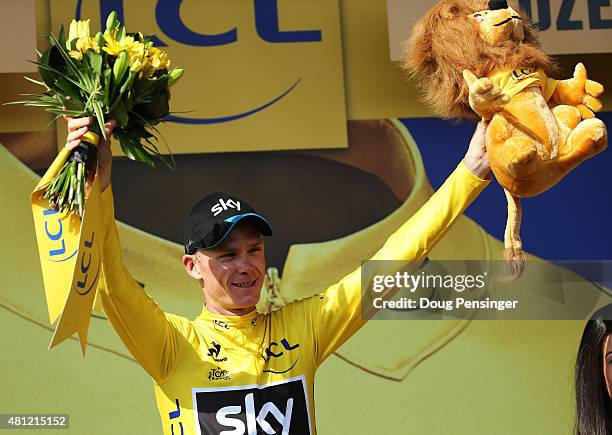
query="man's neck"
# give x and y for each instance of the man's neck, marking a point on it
(228, 311)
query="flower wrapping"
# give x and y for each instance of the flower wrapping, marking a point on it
(112, 75)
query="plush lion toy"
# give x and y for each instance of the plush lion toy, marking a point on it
(475, 58)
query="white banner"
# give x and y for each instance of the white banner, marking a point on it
(17, 36)
(566, 26)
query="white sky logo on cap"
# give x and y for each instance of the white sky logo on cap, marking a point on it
(224, 205)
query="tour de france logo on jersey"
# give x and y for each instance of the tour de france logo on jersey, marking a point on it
(253, 69)
(276, 408)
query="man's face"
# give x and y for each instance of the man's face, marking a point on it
(232, 273)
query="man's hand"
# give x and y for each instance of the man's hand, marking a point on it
(476, 158)
(77, 127)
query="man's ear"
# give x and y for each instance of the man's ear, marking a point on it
(191, 267)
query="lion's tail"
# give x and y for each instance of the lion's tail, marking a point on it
(513, 254)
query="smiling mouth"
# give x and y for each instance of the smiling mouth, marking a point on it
(507, 20)
(244, 285)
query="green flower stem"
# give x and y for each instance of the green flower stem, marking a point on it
(66, 191)
(72, 184)
(65, 186)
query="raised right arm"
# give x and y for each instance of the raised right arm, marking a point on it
(151, 335)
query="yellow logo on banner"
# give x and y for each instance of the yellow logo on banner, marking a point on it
(259, 74)
(70, 251)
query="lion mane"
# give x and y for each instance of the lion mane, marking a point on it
(445, 41)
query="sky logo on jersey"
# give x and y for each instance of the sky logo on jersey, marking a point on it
(259, 74)
(275, 408)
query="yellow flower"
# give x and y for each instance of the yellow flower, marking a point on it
(135, 49)
(114, 47)
(84, 44)
(78, 30)
(142, 58)
(136, 65)
(76, 54)
(79, 38)
(159, 59)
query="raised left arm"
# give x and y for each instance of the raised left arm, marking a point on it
(336, 314)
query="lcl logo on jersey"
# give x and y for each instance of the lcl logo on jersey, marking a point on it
(274, 351)
(221, 325)
(277, 408)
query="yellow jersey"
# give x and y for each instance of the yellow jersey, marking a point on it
(255, 373)
(511, 82)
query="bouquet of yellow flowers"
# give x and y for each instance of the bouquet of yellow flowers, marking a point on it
(112, 75)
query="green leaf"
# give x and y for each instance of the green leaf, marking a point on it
(36, 82)
(128, 83)
(138, 130)
(120, 113)
(141, 155)
(71, 66)
(150, 147)
(175, 75)
(146, 89)
(72, 113)
(100, 117)
(132, 148)
(166, 161)
(111, 21)
(75, 104)
(120, 67)
(95, 61)
(106, 74)
(56, 61)
(124, 88)
(73, 80)
(155, 110)
(62, 36)
(158, 133)
(68, 88)
(100, 39)
(46, 73)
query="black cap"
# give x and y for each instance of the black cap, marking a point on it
(498, 4)
(214, 217)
